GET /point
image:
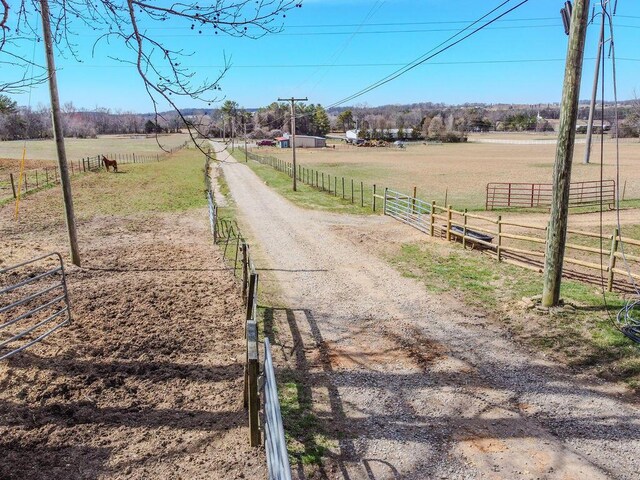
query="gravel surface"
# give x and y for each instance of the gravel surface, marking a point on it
(412, 385)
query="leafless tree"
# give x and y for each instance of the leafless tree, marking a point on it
(131, 22)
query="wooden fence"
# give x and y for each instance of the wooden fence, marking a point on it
(236, 249)
(533, 195)
(609, 259)
(33, 179)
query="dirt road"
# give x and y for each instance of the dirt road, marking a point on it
(412, 386)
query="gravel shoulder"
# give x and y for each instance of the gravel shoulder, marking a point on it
(410, 385)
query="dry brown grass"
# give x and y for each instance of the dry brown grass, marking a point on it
(463, 170)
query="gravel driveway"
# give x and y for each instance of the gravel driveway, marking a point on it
(413, 385)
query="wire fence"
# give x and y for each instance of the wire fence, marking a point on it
(32, 180)
(237, 253)
(34, 302)
(348, 189)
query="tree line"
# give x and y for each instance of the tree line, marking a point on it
(411, 122)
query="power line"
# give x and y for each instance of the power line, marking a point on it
(427, 56)
(359, 65)
(391, 24)
(370, 32)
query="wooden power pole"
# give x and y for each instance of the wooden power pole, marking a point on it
(594, 92)
(293, 134)
(58, 135)
(557, 231)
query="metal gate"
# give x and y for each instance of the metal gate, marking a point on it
(275, 443)
(407, 209)
(34, 302)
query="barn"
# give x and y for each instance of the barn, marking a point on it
(302, 141)
(307, 141)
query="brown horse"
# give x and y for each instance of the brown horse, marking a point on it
(110, 163)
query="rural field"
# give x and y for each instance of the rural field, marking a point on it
(147, 380)
(43, 152)
(461, 171)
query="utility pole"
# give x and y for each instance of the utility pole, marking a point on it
(233, 134)
(293, 133)
(58, 135)
(244, 124)
(594, 92)
(557, 230)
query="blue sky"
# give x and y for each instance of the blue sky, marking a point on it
(329, 49)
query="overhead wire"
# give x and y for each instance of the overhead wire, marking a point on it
(442, 47)
(627, 320)
(437, 50)
(334, 58)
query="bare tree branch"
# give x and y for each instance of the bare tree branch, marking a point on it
(157, 63)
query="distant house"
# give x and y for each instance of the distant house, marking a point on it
(282, 142)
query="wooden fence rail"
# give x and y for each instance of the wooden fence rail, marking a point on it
(588, 255)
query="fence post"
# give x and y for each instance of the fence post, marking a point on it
(253, 370)
(373, 198)
(499, 247)
(215, 223)
(432, 218)
(464, 229)
(37, 183)
(26, 187)
(252, 291)
(352, 190)
(323, 181)
(448, 222)
(343, 188)
(362, 194)
(486, 200)
(245, 270)
(46, 174)
(134, 157)
(316, 179)
(13, 185)
(612, 258)
(235, 259)
(384, 203)
(413, 200)
(532, 193)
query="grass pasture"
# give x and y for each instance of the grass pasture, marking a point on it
(44, 151)
(461, 171)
